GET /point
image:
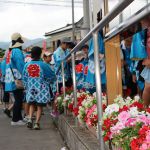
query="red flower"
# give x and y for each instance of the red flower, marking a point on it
(107, 123)
(104, 107)
(138, 105)
(86, 70)
(33, 70)
(106, 138)
(79, 68)
(76, 111)
(85, 118)
(125, 108)
(143, 130)
(134, 144)
(148, 110)
(137, 142)
(70, 106)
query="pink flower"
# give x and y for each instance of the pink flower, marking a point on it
(115, 129)
(143, 119)
(123, 116)
(148, 137)
(91, 110)
(57, 94)
(144, 147)
(131, 122)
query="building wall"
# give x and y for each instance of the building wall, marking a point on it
(97, 5)
(108, 5)
(58, 36)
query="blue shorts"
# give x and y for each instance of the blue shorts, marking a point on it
(146, 74)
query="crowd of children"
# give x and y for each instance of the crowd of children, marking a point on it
(30, 75)
(29, 79)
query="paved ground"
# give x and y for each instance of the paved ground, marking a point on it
(21, 138)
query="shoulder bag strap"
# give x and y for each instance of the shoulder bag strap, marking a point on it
(12, 73)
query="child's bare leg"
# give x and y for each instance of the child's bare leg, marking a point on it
(31, 111)
(146, 95)
(38, 113)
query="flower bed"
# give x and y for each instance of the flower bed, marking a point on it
(125, 123)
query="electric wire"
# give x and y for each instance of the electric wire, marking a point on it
(41, 4)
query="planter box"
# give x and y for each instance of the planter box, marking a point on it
(76, 137)
(93, 131)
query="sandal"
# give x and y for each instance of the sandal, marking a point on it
(36, 126)
(30, 124)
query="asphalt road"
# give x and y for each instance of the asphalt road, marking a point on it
(21, 138)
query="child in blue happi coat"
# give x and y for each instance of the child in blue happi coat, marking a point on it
(138, 46)
(47, 59)
(146, 72)
(82, 67)
(6, 95)
(91, 67)
(36, 76)
(60, 53)
(13, 72)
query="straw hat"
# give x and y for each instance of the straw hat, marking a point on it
(80, 55)
(48, 53)
(16, 40)
(65, 40)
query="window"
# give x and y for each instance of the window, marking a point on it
(129, 11)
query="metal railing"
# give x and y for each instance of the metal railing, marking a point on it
(94, 33)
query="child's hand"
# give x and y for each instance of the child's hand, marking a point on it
(146, 62)
(134, 78)
(101, 56)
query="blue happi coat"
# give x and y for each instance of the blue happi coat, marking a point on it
(0, 72)
(59, 55)
(37, 77)
(14, 61)
(3, 70)
(53, 84)
(81, 73)
(91, 68)
(138, 46)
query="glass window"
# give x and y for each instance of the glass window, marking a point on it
(130, 10)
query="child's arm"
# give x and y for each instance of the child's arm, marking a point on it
(18, 59)
(25, 76)
(49, 73)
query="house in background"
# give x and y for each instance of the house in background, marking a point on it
(66, 31)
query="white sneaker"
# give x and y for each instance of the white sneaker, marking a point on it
(26, 118)
(18, 123)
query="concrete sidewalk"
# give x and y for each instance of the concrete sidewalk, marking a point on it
(21, 138)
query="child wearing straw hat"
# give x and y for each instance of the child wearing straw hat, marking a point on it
(14, 68)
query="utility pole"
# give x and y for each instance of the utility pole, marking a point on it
(91, 13)
(86, 18)
(73, 24)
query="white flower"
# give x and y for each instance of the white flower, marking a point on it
(83, 102)
(58, 98)
(128, 98)
(148, 114)
(112, 108)
(137, 98)
(81, 109)
(133, 111)
(105, 116)
(94, 94)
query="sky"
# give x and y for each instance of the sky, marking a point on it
(32, 21)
